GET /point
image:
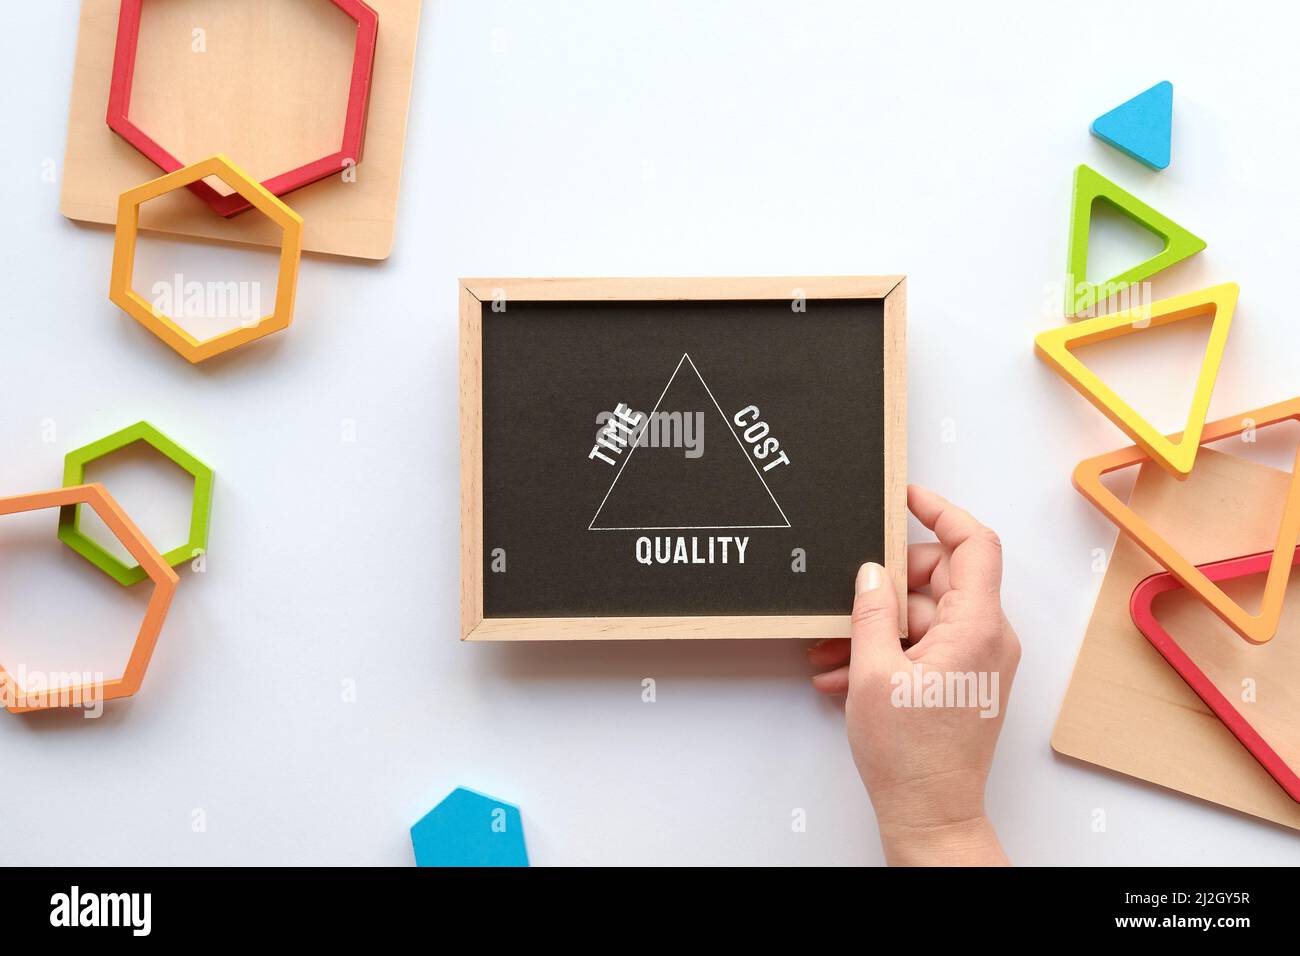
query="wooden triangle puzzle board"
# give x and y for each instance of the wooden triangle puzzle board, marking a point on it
(1229, 679)
(1126, 709)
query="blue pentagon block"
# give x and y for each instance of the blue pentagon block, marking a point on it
(470, 829)
(1141, 127)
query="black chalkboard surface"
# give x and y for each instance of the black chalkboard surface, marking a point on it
(677, 457)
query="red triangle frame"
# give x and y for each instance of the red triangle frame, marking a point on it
(1140, 608)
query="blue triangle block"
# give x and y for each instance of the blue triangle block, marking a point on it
(470, 829)
(1142, 126)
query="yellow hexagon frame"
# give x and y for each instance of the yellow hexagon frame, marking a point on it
(128, 225)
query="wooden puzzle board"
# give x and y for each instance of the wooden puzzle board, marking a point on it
(200, 103)
(1126, 709)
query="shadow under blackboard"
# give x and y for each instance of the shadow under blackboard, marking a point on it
(681, 660)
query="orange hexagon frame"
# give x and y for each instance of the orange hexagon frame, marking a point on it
(128, 227)
(18, 701)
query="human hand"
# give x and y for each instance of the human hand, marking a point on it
(923, 720)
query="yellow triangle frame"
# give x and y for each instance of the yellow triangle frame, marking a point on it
(1177, 452)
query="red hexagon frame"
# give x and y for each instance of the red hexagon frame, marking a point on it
(354, 126)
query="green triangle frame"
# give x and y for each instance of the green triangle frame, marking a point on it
(1089, 186)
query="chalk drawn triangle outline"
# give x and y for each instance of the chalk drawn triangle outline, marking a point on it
(686, 357)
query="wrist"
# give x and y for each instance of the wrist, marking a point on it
(937, 820)
(968, 842)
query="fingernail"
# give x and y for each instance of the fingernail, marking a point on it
(870, 577)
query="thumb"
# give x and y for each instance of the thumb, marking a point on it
(875, 629)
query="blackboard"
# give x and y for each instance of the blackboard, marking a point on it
(709, 458)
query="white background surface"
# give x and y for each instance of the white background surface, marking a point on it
(616, 138)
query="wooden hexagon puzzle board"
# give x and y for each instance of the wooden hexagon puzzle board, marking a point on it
(1126, 709)
(200, 97)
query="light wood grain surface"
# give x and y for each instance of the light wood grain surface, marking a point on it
(678, 287)
(269, 89)
(1126, 709)
(895, 503)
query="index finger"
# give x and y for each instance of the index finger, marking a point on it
(976, 562)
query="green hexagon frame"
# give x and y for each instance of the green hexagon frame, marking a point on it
(74, 472)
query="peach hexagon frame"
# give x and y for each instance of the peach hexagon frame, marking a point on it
(354, 125)
(20, 701)
(128, 226)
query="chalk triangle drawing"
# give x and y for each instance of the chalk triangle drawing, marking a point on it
(1257, 628)
(1091, 186)
(1141, 127)
(1176, 454)
(1141, 609)
(660, 487)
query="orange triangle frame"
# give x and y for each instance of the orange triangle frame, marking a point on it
(1255, 628)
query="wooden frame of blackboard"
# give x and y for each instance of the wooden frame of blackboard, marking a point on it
(892, 290)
